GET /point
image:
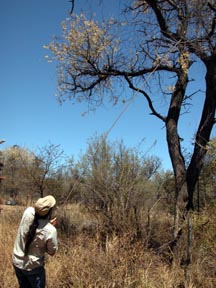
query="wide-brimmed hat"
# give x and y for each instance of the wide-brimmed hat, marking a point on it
(43, 205)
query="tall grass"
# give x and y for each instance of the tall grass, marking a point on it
(81, 262)
(9, 219)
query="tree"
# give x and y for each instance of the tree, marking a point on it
(46, 167)
(117, 184)
(16, 179)
(160, 39)
(28, 172)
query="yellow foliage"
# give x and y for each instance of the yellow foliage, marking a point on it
(83, 42)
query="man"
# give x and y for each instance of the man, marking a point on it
(36, 236)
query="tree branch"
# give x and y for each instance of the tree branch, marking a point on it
(211, 7)
(72, 6)
(154, 112)
(161, 21)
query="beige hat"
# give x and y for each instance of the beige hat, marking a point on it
(43, 205)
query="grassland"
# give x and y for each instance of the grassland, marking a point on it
(81, 262)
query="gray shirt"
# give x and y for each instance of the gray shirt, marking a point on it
(45, 240)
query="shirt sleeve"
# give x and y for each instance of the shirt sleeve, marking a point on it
(27, 220)
(52, 242)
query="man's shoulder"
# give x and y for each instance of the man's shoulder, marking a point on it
(29, 210)
(29, 213)
(50, 228)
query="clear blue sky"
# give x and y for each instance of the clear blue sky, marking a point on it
(31, 115)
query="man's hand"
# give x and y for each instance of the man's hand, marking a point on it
(53, 221)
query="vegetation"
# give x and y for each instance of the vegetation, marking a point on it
(115, 221)
(151, 43)
(82, 262)
(118, 209)
(30, 173)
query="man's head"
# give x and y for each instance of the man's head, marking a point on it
(43, 205)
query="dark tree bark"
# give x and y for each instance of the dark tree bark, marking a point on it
(204, 131)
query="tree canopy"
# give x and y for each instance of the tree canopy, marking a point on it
(153, 43)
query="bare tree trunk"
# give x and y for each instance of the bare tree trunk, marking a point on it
(189, 244)
(173, 141)
(186, 180)
(204, 130)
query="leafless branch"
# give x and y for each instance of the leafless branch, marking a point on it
(72, 6)
(154, 112)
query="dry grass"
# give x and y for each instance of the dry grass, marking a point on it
(9, 218)
(81, 263)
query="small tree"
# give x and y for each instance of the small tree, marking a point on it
(47, 164)
(117, 184)
(29, 173)
(16, 182)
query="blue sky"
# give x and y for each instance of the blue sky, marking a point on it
(31, 115)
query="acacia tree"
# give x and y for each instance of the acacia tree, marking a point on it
(157, 38)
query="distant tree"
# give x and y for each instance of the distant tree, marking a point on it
(46, 167)
(117, 184)
(16, 179)
(29, 173)
(154, 39)
(71, 191)
(166, 185)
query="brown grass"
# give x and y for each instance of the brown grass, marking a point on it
(82, 263)
(9, 218)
